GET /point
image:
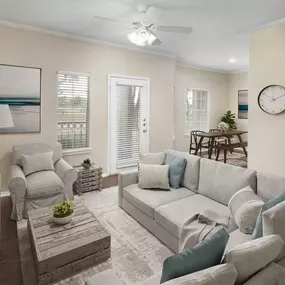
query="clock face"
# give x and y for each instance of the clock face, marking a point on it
(272, 99)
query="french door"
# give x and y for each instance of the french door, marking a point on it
(128, 121)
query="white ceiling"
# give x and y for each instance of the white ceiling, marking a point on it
(221, 28)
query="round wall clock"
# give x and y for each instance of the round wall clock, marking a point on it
(271, 99)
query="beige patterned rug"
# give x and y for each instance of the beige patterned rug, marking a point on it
(136, 254)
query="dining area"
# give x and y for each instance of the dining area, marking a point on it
(220, 142)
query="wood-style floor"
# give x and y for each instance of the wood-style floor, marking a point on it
(10, 267)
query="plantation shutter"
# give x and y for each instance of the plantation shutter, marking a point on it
(128, 125)
(196, 107)
(73, 109)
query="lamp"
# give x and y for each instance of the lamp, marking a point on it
(142, 37)
(6, 120)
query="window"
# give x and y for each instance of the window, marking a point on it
(196, 108)
(73, 110)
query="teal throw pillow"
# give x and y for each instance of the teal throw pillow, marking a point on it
(206, 254)
(177, 167)
(258, 231)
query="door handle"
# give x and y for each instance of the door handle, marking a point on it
(144, 131)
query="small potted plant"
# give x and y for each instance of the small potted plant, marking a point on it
(62, 213)
(87, 163)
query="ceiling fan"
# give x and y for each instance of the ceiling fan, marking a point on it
(144, 33)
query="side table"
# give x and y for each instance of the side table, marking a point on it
(88, 179)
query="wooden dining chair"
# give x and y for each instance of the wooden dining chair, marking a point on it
(222, 140)
(194, 142)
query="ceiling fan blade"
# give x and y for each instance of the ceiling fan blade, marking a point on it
(157, 42)
(112, 20)
(174, 29)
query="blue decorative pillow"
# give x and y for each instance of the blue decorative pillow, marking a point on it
(206, 254)
(258, 231)
(177, 167)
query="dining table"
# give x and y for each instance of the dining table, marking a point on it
(212, 136)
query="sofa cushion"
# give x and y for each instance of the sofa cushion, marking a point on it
(37, 162)
(174, 215)
(224, 274)
(252, 256)
(153, 176)
(205, 254)
(273, 274)
(176, 169)
(245, 206)
(221, 181)
(269, 186)
(148, 200)
(190, 179)
(44, 183)
(157, 158)
(33, 148)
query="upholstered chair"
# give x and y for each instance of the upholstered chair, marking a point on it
(41, 188)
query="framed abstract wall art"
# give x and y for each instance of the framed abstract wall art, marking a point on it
(243, 104)
(20, 89)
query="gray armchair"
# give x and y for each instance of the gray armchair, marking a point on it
(42, 188)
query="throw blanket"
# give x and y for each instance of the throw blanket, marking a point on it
(201, 226)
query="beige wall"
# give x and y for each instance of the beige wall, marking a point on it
(216, 83)
(266, 132)
(52, 53)
(237, 81)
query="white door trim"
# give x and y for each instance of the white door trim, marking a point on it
(109, 146)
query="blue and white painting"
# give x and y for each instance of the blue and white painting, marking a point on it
(20, 88)
(243, 104)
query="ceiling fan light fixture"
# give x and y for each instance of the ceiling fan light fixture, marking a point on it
(142, 37)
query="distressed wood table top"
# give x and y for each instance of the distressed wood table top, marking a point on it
(55, 246)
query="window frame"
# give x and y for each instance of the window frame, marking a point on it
(81, 150)
(185, 110)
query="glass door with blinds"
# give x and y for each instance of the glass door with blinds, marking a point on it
(128, 126)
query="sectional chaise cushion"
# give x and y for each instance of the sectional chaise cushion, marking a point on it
(148, 200)
(221, 181)
(224, 274)
(269, 186)
(174, 215)
(252, 256)
(190, 179)
(273, 274)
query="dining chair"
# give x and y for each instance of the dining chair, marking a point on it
(222, 140)
(194, 142)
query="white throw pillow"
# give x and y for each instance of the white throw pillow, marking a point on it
(37, 162)
(250, 257)
(152, 158)
(245, 206)
(224, 274)
(273, 274)
(153, 176)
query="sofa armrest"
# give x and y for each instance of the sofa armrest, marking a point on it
(273, 221)
(68, 175)
(18, 183)
(126, 179)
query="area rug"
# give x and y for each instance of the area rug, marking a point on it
(136, 254)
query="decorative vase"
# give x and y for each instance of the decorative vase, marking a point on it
(63, 221)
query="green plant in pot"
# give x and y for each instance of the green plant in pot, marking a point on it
(62, 213)
(229, 118)
(87, 163)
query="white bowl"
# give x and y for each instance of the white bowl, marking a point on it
(63, 221)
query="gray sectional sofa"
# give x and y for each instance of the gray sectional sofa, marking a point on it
(206, 184)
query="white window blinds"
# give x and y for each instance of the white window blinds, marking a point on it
(196, 108)
(128, 125)
(73, 109)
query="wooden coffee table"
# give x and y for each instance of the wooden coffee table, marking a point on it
(60, 251)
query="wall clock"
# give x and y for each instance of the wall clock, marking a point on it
(271, 99)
